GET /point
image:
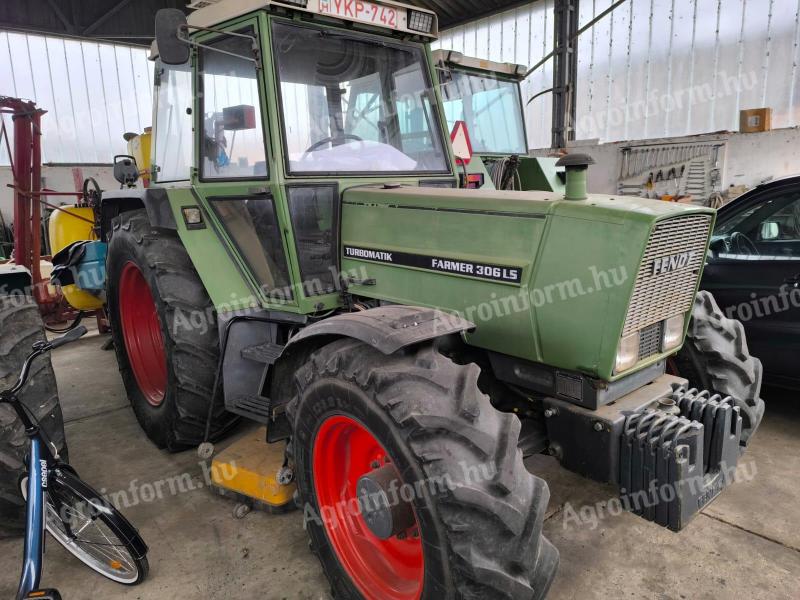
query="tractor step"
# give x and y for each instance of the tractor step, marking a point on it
(266, 353)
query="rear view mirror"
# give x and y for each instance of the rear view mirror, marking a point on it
(173, 49)
(769, 230)
(126, 170)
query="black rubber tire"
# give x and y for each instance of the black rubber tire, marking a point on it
(21, 326)
(482, 539)
(715, 357)
(192, 351)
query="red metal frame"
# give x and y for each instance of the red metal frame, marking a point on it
(26, 169)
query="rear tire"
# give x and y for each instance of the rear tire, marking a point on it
(21, 326)
(169, 394)
(477, 508)
(715, 357)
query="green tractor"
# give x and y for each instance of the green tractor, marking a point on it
(306, 257)
(486, 97)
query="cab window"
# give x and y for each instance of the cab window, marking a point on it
(355, 104)
(173, 131)
(252, 223)
(232, 144)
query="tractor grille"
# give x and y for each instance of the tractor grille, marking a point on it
(665, 288)
(650, 341)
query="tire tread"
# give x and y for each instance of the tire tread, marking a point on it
(448, 423)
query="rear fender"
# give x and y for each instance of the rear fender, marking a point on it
(154, 200)
(15, 280)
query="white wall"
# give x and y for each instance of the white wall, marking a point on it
(93, 92)
(750, 158)
(59, 179)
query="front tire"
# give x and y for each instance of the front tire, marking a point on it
(715, 358)
(21, 326)
(165, 334)
(477, 512)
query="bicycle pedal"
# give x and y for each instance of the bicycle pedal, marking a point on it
(50, 594)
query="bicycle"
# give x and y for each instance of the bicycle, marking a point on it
(87, 525)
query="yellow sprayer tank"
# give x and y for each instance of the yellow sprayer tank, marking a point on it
(67, 225)
(139, 148)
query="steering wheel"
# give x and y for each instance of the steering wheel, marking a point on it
(330, 140)
(91, 192)
(743, 244)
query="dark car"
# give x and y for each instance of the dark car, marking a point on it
(753, 271)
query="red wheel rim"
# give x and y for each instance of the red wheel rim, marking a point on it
(141, 330)
(392, 569)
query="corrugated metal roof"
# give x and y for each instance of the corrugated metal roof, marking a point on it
(132, 20)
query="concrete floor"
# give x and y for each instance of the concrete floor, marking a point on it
(745, 545)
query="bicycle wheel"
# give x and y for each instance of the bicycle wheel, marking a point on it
(94, 531)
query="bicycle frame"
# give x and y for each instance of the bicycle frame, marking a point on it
(34, 532)
(40, 461)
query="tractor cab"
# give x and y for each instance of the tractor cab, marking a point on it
(485, 98)
(266, 112)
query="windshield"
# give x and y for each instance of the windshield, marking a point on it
(354, 105)
(492, 110)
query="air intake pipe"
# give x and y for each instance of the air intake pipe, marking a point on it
(576, 166)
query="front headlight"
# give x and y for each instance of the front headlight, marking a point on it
(673, 332)
(627, 353)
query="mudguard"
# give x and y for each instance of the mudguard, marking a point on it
(388, 328)
(63, 477)
(15, 280)
(154, 200)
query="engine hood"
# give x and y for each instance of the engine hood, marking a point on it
(543, 278)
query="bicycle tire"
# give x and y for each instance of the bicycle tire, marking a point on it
(108, 544)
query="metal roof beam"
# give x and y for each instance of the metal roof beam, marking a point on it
(114, 10)
(68, 25)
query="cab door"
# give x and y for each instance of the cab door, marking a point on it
(233, 174)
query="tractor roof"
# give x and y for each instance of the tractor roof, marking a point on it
(385, 14)
(454, 59)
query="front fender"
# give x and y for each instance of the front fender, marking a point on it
(387, 328)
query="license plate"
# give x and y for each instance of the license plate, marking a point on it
(360, 10)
